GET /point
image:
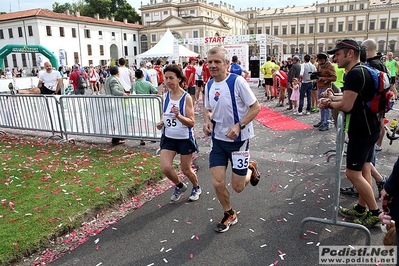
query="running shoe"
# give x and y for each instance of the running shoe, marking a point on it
(352, 213)
(177, 193)
(226, 222)
(255, 176)
(195, 194)
(369, 220)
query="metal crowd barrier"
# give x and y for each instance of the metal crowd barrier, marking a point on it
(18, 83)
(132, 117)
(30, 112)
(340, 141)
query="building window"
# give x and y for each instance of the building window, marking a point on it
(260, 31)
(310, 50)
(340, 27)
(30, 31)
(113, 35)
(20, 32)
(251, 31)
(126, 50)
(23, 56)
(302, 29)
(73, 33)
(153, 37)
(360, 25)
(392, 46)
(14, 60)
(292, 49)
(310, 28)
(34, 62)
(195, 34)
(331, 9)
(361, 6)
(135, 50)
(192, 11)
(147, 15)
(284, 30)
(62, 33)
(166, 12)
(321, 9)
(76, 57)
(268, 30)
(293, 30)
(143, 42)
(382, 25)
(372, 25)
(134, 37)
(90, 62)
(124, 36)
(100, 34)
(381, 46)
(87, 34)
(101, 49)
(320, 48)
(350, 26)
(48, 30)
(341, 8)
(10, 34)
(89, 52)
(321, 28)
(275, 30)
(284, 49)
(1, 34)
(350, 7)
(394, 24)
(330, 28)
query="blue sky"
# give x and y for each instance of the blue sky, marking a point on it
(16, 5)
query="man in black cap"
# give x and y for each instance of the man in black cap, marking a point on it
(363, 129)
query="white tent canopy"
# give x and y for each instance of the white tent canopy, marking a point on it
(164, 48)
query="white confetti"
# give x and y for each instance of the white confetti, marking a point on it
(351, 247)
(163, 240)
(309, 243)
(318, 244)
(284, 219)
(285, 186)
(252, 230)
(96, 241)
(151, 264)
(323, 209)
(288, 199)
(114, 228)
(211, 220)
(193, 236)
(99, 264)
(173, 231)
(291, 203)
(210, 209)
(162, 249)
(168, 250)
(328, 230)
(263, 219)
(290, 213)
(303, 200)
(165, 260)
(175, 220)
(264, 245)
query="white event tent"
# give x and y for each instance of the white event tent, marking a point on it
(164, 48)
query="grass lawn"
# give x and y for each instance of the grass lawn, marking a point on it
(47, 188)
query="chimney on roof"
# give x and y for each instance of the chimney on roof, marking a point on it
(113, 19)
(67, 12)
(77, 14)
(125, 20)
(97, 16)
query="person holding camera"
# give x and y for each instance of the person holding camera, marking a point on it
(307, 83)
(326, 75)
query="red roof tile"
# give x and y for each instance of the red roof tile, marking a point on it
(45, 13)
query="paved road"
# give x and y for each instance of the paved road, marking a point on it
(297, 182)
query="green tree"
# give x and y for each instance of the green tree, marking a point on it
(101, 7)
(58, 8)
(128, 12)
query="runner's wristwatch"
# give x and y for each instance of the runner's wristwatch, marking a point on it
(242, 125)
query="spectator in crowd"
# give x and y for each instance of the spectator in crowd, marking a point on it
(50, 82)
(294, 72)
(125, 75)
(73, 79)
(306, 86)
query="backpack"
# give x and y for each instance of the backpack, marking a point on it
(382, 101)
(236, 69)
(159, 72)
(82, 81)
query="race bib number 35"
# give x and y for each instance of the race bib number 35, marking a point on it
(240, 159)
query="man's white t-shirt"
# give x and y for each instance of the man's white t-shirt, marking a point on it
(227, 111)
(124, 78)
(153, 75)
(50, 80)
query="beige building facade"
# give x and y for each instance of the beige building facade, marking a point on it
(304, 29)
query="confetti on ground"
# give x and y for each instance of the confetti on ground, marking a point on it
(328, 230)
(165, 260)
(264, 245)
(252, 230)
(191, 256)
(263, 219)
(309, 243)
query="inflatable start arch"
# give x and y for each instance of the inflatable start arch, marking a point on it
(22, 48)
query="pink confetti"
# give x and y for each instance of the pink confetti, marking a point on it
(191, 256)
(272, 188)
(11, 205)
(97, 247)
(280, 252)
(159, 206)
(197, 237)
(97, 189)
(276, 262)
